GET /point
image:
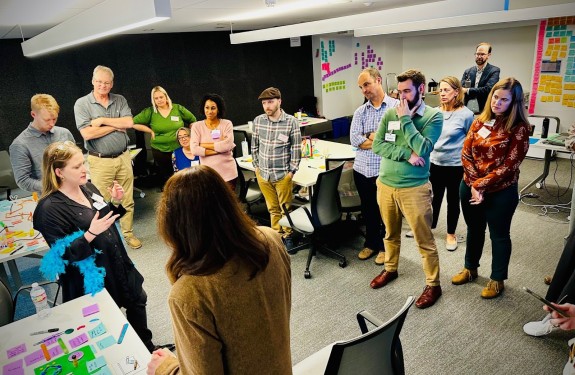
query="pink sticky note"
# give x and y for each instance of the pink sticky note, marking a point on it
(19, 349)
(32, 358)
(55, 351)
(51, 341)
(78, 340)
(89, 310)
(14, 368)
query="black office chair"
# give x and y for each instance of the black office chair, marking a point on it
(8, 304)
(348, 194)
(248, 191)
(239, 136)
(7, 180)
(316, 218)
(376, 352)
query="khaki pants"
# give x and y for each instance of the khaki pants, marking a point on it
(276, 194)
(103, 172)
(415, 204)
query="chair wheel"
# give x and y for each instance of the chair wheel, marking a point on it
(343, 264)
(307, 274)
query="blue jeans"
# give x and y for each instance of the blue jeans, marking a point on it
(496, 210)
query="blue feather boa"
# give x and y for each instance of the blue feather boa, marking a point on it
(53, 264)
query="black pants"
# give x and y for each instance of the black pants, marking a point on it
(136, 315)
(374, 228)
(563, 283)
(163, 162)
(442, 179)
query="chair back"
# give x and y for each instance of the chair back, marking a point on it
(348, 194)
(6, 305)
(325, 203)
(239, 136)
(376, 352)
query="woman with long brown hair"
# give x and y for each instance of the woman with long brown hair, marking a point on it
(492, 153)
(230, 300)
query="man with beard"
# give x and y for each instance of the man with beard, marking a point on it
(478, 80)
(276, 153)
(404, 140)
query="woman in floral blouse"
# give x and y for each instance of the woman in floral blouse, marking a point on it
(492, 152)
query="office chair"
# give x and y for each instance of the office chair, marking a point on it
(8, 304)
(376, 352)
(239, 136)
(317, 217)
(248, 190)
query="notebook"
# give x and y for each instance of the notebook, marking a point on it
(557, 139)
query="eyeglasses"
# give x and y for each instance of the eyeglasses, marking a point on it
(481, 54)
(183, 137)
(103, 83)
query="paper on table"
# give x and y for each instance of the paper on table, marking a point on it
(104, 343)
(95, 364)
(78, 340)
(34, 357)
(14, 368)
(89, 310)
(18, 349)
(97, 331)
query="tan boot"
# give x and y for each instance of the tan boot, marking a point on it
(493, 289)
(464, 277)
(366, 253)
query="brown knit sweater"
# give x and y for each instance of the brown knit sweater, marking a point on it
(225, 323)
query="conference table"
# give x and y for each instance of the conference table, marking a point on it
(308, 125)
(310, 168)
(18, 238)
(92, 337)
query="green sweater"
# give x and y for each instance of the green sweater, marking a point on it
(417, 134)
(165, 127)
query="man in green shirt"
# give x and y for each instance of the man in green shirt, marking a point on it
(404, 140)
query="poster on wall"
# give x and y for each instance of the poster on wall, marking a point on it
(553, 88)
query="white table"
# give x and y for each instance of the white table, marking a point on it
(310, 168)
(118, 358)
(17, 235)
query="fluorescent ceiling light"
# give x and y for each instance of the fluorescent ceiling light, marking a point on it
(469, 20)
(435, 9)
(277, 10)
(107, 18)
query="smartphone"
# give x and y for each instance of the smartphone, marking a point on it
(560, 312)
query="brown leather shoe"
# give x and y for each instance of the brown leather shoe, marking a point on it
(429, 296)
(383, 279)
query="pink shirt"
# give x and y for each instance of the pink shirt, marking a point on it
(223, 162)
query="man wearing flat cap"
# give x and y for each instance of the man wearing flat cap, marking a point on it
(276, 153)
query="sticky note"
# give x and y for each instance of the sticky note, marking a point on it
(103, 371)
(14, 368)
(51, 340)
(34, 357)
(78, 340)
(89, 310)
(95, 364)
(55, 351)
(19, 349)
(104, 343)
(97, 331)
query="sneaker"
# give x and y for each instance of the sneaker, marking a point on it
(289, 244)
(540, 327)
(380, 258)
(451, 244)
(464, 277)
(133, 241)
(493, 289)
(365, 253)
(409, 234)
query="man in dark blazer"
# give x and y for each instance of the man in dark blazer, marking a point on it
(478, 80)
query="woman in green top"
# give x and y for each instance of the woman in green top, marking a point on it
(162, 120)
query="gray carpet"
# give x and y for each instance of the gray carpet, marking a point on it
(462, 333)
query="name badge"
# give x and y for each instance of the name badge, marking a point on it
(389, 137)
(216, 133)
(175, 118)
(97, 198)
(195, 162)
(484, 132)
(489, 123)
(393, 125)
(283, 137)
(99, 205)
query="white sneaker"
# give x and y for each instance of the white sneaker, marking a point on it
(539, 328)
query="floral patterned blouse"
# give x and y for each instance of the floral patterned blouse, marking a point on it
(491, 156)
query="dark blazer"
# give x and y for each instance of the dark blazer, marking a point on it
(488, 79)
(57, 216)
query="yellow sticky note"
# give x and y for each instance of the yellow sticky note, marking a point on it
(557, 98)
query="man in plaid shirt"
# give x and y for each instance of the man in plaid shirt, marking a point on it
(364, 125)
(276, 153)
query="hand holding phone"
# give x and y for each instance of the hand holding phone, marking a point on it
(551, 306)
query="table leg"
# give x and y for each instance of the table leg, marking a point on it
(15, 273)
(543, 176)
